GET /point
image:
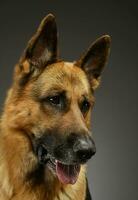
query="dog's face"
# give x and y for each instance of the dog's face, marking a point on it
(52, 101)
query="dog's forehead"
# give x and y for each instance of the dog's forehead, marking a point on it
(64, 75)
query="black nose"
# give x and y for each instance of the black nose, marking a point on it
(84, 148)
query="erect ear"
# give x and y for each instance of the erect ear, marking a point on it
(94, 60)
(42, 48)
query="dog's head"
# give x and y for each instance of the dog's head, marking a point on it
(51, 100)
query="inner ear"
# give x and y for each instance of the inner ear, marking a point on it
(42, 48)
(95, 59)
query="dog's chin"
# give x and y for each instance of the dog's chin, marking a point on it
(67, 174)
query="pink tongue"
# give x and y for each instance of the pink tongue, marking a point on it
(67, 174)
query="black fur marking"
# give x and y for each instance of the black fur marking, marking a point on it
(88, 195)
(42, 155)
(36, 176)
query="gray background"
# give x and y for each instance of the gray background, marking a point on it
(112, 173)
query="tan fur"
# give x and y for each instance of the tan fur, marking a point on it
(18, 158)
(37, 75)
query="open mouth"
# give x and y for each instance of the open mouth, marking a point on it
(67, 174)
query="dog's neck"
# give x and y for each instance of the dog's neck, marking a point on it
(21, 173)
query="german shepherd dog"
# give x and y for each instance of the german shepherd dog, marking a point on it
(45, 138)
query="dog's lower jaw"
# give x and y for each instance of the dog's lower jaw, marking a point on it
(21, 161)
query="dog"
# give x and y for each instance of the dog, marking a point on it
(45, 134)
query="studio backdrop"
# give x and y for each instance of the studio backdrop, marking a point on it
(112, 172)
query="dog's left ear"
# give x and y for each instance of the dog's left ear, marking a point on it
(94, 60)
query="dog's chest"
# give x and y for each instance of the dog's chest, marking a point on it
(70, 195)
(72, 192)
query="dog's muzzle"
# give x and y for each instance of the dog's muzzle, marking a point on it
(64, 156)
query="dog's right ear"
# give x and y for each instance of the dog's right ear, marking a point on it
(95, 59)
(42, 48)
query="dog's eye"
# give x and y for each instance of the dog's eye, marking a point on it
(85, 105)
(55, 100)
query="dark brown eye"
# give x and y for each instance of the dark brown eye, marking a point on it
(55, 100)
(85, 105)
